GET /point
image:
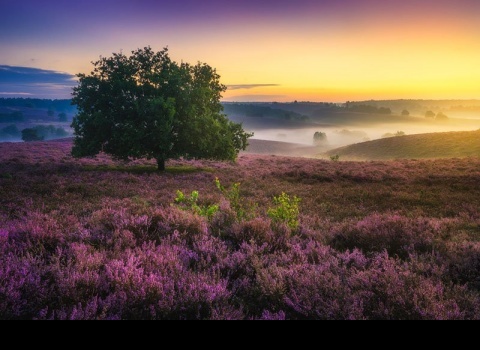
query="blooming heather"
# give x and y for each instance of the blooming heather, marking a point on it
(100, 239)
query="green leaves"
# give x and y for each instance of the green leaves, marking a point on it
(244, 209)
(146, 105)
(285, 210)
(335, 158)
(190, 203)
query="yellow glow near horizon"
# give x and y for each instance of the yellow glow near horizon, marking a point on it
(414, 60)
(369, 56)
(372, 57)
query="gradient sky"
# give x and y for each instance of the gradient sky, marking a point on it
(264, 51)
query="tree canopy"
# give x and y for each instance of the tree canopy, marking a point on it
(319, 137)
(147, 105)
(429, 114)
(31, 134)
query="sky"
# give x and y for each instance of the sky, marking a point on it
(305, 50)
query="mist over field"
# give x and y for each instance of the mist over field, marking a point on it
(290, 123)
(353, 122)
(50, 119)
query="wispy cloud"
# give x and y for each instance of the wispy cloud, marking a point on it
(15, 93)
(248, 86)
(255, 98)
(35, 82)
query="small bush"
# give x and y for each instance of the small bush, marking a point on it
(335, 158)
(190, 203)
(245, 210)
(286, 210)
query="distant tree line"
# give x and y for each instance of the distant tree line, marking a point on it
(418, 107)
(367, 109)
(19, 117)
(462, 108)
(54, 105)
(258, 111)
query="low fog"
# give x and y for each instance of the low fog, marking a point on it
(353, 122)
(293, 123)
(337, 136)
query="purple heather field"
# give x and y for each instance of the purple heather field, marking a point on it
(103, 239)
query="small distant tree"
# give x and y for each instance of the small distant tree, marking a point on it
(60, 132)
(319, 138)
(62, 117)
(50, 112)
(405, 113)
(441, 116)
(147, 105)
(389, 134)
(335, 157)
(31, 134)
(429, 114)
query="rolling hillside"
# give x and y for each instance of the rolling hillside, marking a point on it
(280, 148)
(456, 144)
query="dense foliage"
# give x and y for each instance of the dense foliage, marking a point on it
(146, 105)
(101, 239)
(43, 132)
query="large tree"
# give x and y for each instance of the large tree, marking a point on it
(146, 105)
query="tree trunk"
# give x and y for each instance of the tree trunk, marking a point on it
(161, 164)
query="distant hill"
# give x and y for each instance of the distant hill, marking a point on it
(456, 144)
(452, 108)
(280, 148)
(294, 115)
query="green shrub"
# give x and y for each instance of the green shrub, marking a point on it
(335, 158)
(190, 203)
(244, 210)
(286, 210)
